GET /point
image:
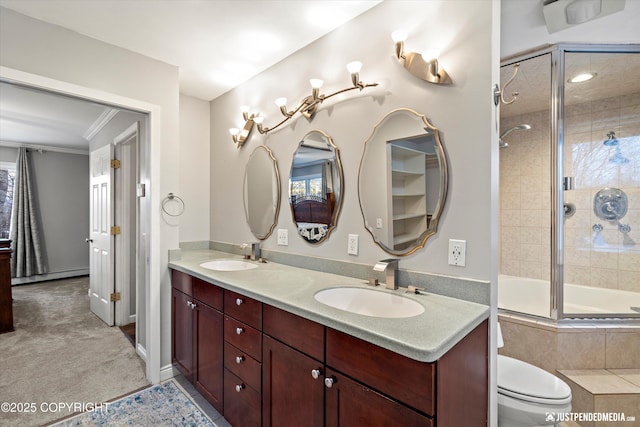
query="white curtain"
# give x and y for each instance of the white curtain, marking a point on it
(26, 237)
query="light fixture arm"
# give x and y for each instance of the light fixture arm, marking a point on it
(307, 107)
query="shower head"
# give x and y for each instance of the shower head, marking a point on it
(508, 131)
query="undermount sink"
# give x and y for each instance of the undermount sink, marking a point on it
(369, 302)
(228, 265)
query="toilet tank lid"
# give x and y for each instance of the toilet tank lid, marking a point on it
(525, 380)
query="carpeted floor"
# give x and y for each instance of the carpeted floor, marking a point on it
(61, 355)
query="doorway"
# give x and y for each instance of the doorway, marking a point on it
(148, 271)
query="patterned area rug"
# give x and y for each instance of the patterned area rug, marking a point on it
(166, 404)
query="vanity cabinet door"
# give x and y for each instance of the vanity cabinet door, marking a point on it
(292, 388)
(349, 403)
(208, 375)
(182, 333)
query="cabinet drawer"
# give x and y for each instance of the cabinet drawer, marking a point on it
(397, 376)
(243, 337)
(245, 309)
(242, 405)
(302, 334)
(207, 293)
(182, 282)
(243, 366)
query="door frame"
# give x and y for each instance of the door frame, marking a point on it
(151, 353)
(124, 191)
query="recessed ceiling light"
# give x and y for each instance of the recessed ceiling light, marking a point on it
(582, 77)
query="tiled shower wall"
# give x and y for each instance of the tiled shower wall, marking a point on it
(525, 198)
(608, 258)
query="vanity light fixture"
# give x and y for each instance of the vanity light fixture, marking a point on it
(424, 66)
(307, 107)
(239, 136)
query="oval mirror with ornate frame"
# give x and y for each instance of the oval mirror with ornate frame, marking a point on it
(402, 182)
(315, 186)
(261, 192)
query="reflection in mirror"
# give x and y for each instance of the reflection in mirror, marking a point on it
(315, 186)
(402, 183)
(261, 192)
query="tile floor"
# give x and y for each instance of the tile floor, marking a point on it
(206, 407)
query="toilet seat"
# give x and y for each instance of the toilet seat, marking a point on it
(526, 382)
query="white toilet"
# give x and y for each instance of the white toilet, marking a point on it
(527, 395)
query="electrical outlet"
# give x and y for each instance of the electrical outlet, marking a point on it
(283, 237)
(352, 245)
(457, 252)
(378, 222)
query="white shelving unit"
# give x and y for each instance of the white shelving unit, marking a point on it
(407, 198)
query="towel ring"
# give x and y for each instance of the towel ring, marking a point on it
(171, 197)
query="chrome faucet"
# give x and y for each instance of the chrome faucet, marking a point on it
(255, 250)
(390, 268)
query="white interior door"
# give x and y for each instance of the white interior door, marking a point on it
(101, 262)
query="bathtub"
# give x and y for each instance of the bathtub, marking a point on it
(532, 296)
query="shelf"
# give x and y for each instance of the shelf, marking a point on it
(401, 217)
(408, 195)
(399, 173)
(404, 238)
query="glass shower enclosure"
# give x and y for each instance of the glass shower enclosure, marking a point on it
(570, 182)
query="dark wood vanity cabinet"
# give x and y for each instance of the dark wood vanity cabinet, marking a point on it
(283, 370)
(197, 333)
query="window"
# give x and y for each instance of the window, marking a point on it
(7, 179)
(306, 186)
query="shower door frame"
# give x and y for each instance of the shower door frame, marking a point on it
(556, 108)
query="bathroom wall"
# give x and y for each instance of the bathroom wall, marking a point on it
(461, 111)
(194, 186)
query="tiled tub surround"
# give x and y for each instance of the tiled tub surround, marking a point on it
(600, 364)
(609, 258)
(425, 337)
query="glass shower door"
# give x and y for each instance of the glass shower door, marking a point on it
(602, 210)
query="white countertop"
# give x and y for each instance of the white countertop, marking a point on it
(425, 337)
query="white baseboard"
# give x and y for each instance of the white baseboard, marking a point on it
(49, 276)
(167, 372)
(142, 352)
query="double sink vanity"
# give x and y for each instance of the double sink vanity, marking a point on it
(274, 345)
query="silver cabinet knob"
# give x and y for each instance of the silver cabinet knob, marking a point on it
(239, 301)
(239, 387)
(239, 359)
(239, 330)
(329, 381)
(315, 373)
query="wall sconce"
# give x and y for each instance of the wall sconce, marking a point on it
(424, 66)
(307, 107)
